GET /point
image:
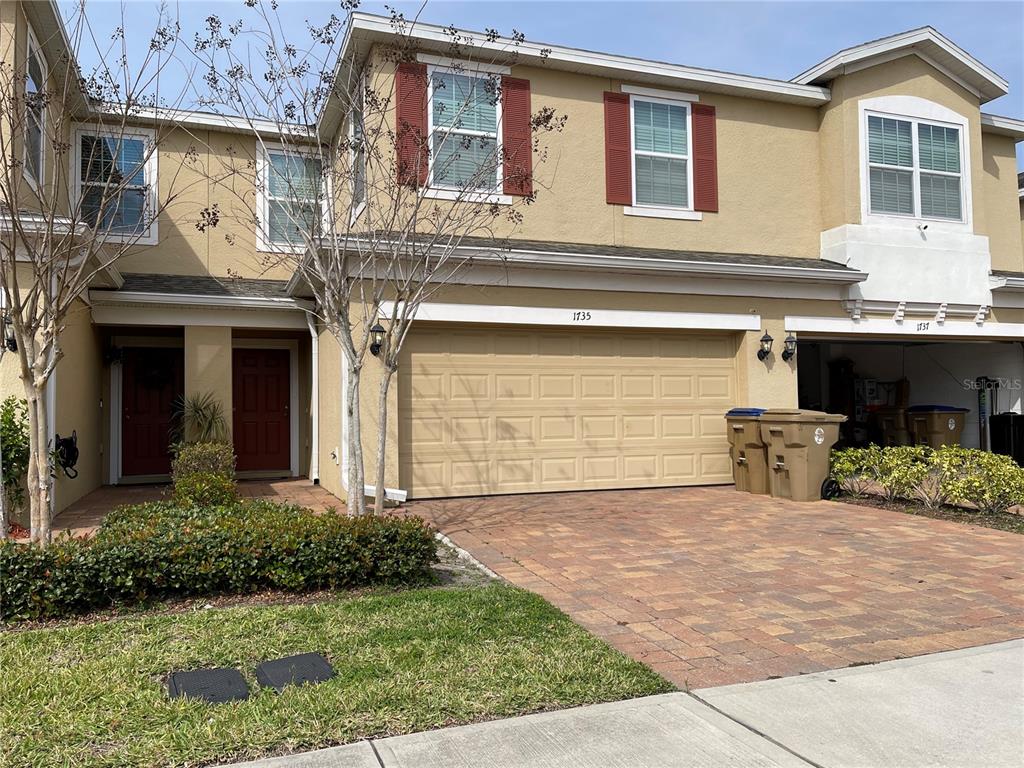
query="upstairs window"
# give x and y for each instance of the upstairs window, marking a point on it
(292, 205)
(465, 118)
(35, 109)
(661, 154)
(116, 180)
(914, 168)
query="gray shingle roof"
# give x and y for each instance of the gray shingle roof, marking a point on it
(659, 253)
(204, 285)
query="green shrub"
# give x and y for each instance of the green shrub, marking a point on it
(990, 481)
(856, 469)
(203, 474)
(14, 448)
(947, 475)
(159, 550)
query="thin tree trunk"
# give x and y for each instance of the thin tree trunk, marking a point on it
(39, 467)
(356, 501)
(382, 440)
(5, 524)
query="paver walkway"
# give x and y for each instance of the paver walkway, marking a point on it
(710, 586)
(82, 517)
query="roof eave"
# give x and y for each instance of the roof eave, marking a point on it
(1004, 126)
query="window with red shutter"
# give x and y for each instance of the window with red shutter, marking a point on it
(705, 159)
(411, 123)
(618, 172)
(517, 142)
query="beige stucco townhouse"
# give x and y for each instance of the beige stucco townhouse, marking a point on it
(867, 210)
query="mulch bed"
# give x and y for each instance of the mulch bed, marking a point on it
(1006, 521)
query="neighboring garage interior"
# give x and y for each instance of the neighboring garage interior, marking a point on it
(864, 378)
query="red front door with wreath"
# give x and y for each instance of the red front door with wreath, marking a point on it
(261, 422)
(152, 380)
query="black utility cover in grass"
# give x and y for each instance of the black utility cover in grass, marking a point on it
(215, 686)
(304, 668)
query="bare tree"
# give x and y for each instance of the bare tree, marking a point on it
(373, 211)
(72, 203)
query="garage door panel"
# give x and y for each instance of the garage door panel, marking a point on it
(532, 410)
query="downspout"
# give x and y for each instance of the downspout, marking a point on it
(314, 400)
(393, 494)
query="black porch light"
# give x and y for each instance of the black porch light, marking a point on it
(376, 339)
(766, 346)
(789, 351)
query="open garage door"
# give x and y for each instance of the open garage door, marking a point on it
(500, 410)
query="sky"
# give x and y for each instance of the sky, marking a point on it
(768, 39)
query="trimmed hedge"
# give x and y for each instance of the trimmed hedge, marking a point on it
(990, 482)
(159, 550)
(203, 474)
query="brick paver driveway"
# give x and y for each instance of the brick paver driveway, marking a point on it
(710, 586)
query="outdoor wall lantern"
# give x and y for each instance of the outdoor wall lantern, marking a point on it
(766, 346)
(376, 339)
(9, 339)
(790, 348)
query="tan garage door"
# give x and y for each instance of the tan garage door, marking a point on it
(503, 410)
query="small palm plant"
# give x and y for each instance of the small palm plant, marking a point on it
(200, 419)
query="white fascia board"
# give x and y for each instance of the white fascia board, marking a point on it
(583, 317)
(1004, 126)
(837, 63)
(194, 300)
(624, 67)
(1007, 283)
(912, 329)
(208, 316)
(232, 123)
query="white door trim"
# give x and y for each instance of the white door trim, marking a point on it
(911, 328)
(581, 316)
(292, 345)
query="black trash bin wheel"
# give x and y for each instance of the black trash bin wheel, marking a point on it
(830, 489)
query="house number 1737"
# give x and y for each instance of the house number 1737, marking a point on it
(580, 317)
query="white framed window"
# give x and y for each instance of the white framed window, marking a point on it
(290, 192)
(464, 130)
(35, 110)
(116, 182)
(915, 163)
(661, 142)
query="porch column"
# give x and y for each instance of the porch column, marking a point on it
(208, 365)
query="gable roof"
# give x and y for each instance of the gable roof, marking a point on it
(924, 42)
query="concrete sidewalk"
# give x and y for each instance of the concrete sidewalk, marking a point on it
(962, 708)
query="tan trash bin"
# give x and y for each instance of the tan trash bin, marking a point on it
(747, 450)
(799, 446)
(936, 425)
(892, 423)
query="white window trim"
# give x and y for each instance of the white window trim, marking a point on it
(468, 196)
(915, 110)
(32, 44)
(151, 235)
(263, 243)
(660, 211)
(655, 212)
(468, 69)
(459, 65)
(659, 93)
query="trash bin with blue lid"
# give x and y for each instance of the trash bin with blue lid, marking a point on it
(799, 447)
(936, 425)
(747, 450)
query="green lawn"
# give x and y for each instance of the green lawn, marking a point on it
(93, 693)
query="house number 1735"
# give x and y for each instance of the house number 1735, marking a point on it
(581, 317)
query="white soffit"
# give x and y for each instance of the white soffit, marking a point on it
(927, 42)
(1004, 126)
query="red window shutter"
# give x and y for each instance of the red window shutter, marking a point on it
(618, 171)
(705, 159)
(517, 142)
(411, 123)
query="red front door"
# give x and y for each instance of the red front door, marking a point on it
(151, 380)
(262, 421)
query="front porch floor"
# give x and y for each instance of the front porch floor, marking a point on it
(83, 517)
